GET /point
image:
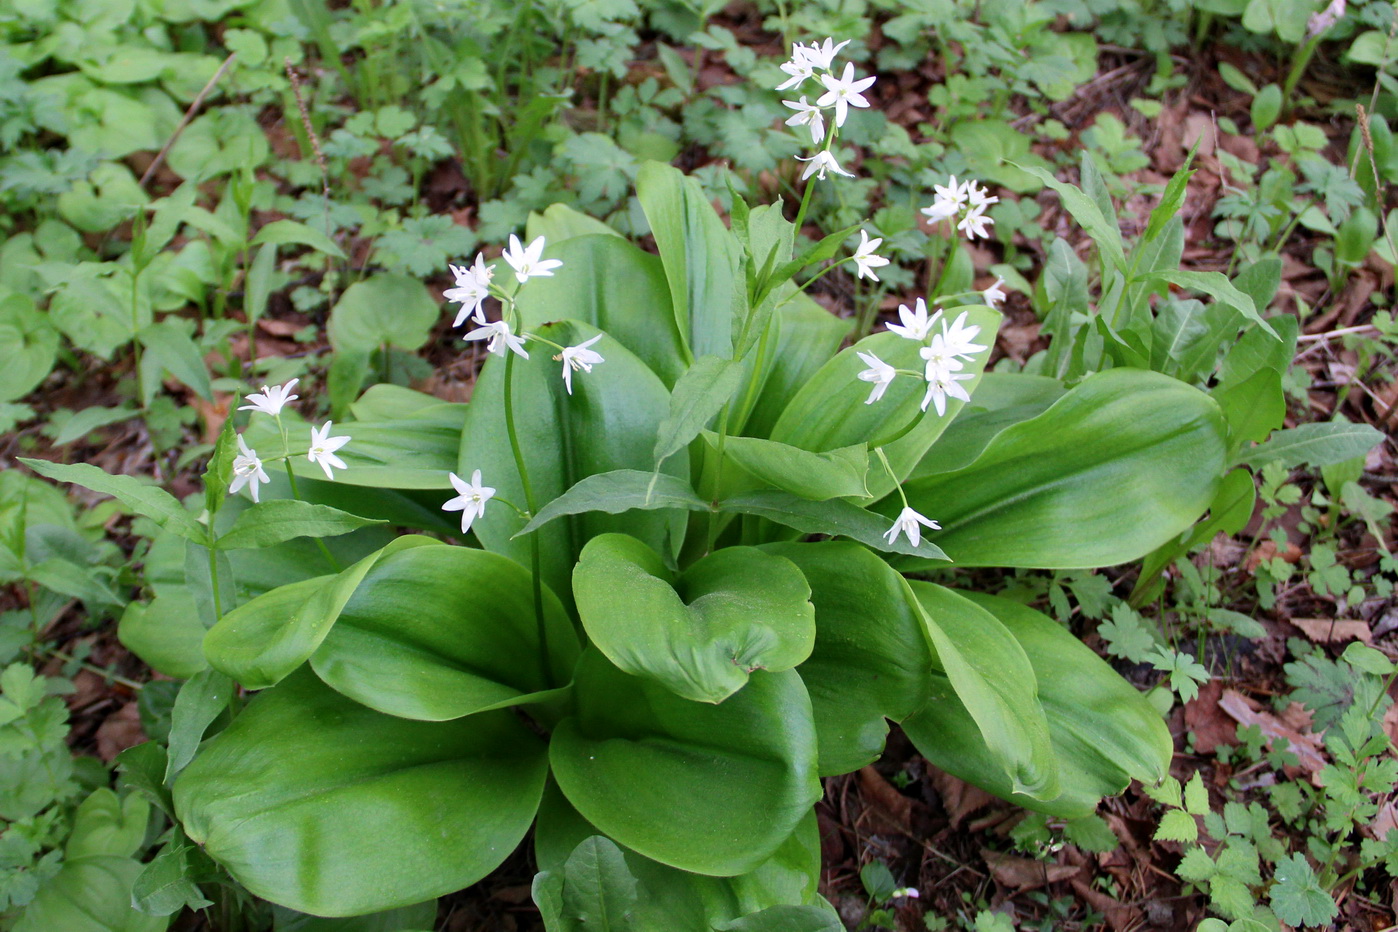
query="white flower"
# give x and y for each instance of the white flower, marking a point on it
(843, 92)
(941, 384)
(271, 399)
(916, 324)
(323, 447)
(908, 892)
(978, 196)
(471, 501)
(940, 358)
(823, 56)
(959, 336)
(975, 223)
(500, 338)
(247, 470)
(579, 357)
(953, 193)
(864, 259)
(994, 294)
(807, 115)
(940, 210)
(907, 523)
(527, 261)
(471, 290)
(879, 372)
(820, 163)
(799, 68)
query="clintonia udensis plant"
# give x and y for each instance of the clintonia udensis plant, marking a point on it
(687, 579)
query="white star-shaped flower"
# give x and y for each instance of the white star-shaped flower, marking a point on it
(471, 290)
(271, 399)
(500, 339)
(952, 192)
(844, 92)
(939, 357)
(978, 196)
(807, 115)
(907, 523)
(916, 324)
(323, 447)
(942, 384)
(940, 210)
(864, 259)
(879, 372)
(247, 470)
(959, 337)
(579, 357)
(822, 56)
(994, 295)
(798, 67)
(528, 261)
(975, 223)
(471, 498)
(819, 164)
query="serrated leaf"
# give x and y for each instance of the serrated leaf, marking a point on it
(1319, 444)
(1177, 825)
(1196, 797)
(1196, 866)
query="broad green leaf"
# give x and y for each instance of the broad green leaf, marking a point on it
(169, 347)
(699, 634)
(599, 893)
(282, 232)
(614, 286)
(259, 282)
(278, 520)
(289, 795)
(435, 633)
(608, 423)
(1116, 467)
(31, 346)
(829, 411)
(165, 887)
(1253, 408)
(87, 420)
(383, 310)
(699, 254)
(806, 337)
(105, 825)
(835, 518)
(166, 633)
(1228, 512)
(421, 917)
(817, 476)
(1217, 286)
(786, 919)
(696, 399)
(619, 491)
(636, 760)
(91, 894)
(1319, 444)
(1255, 350)
(261, 641)
(1297, 896)
(978, 661)
(1085, 210)
(201, 700)
(154, 503)
(559, 223)
(1002, 400)
(870, 661)
(1103, 732)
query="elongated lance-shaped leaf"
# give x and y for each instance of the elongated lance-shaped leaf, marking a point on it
(619, 491)
(1319, 444)
(834, 518)
(1085, 210)
(154, 503)
(838, 473)
(704, 388)
(1118, 466)
(279, 520)
(1217, 286)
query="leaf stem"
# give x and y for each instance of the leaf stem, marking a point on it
(534, 558)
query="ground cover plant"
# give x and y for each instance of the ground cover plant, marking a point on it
(651, 465)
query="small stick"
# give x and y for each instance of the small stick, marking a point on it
(315, 140)
(188, 116)
(1308, 337)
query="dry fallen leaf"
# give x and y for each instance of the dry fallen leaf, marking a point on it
(959, 798)
(1305, 746)
(1021, 874)
(1209, 725)
(120, 731)
(1326, 630)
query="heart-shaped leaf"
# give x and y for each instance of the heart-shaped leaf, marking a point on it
(435, 633)
(637, 760)
(699, 634)
(315, 802)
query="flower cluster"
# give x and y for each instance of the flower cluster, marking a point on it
(965, 204)
(247, 465)
(943, 355)
(816, 62)
(473, 286)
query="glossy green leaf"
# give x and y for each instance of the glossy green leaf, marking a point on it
(165, 887)
(263, 640)
(599, 893)
(829, 411)
(1100, 226)
(704, 388)
(1253, 408)
(91, 894)
(838, 473)
(152, 502)
(290, 795)
(699, 254)
(281, 232)
(1217, 286)
(1002, 399)
(382, 310)
(420, 917)
(1119, 465)
(619, 491)
(169, 346)
(870, 662)
(608, 423)
(835, 518)
(201, 700)
(1229, 512)
(786, 919)
(805, 337)
(636, 761)
(105, 825)
(1104, 733)
(700, 633)
(435, 633)
(1256, 350)
(614, 286)
(278, 520)
(992, 679)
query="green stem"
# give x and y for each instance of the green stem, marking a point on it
(534, 557)
(718, 481)
(213, 572)
(296, 493)
(1298, 68)
(91, 668)
(878, 451)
